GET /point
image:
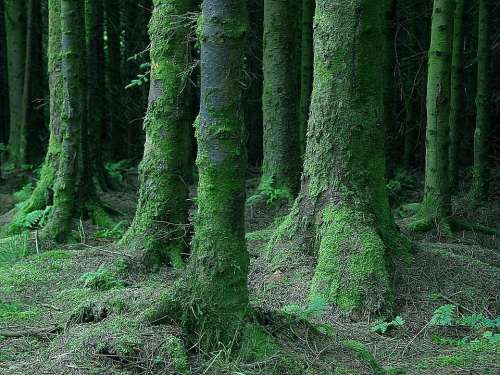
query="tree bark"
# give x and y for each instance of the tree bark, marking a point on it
(280, 100)
(117, 131)
(15, 27)
(342, 214)
(435, 207)
(159, 231)
(457, 101)
(481, 173)
(217, 273)
(306, 68)
(72, 22)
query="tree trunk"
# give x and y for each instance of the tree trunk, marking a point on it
(118, 132)
(96, 90)
(217, 273)
(457, 102)
(4, 89)
(73, 71)
(27, 108)
(342, 213)
(41, 196)
(159, 231)
(280, 101)
(481, 174)
(15, 27)
(435, 207)
(306, 68)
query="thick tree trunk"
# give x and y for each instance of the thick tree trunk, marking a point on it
(481, 174)
(342, 214)
(217, 273)
(280, 101)
(457, 102)
(435, 207)
(306, 68)
(73, 71)
(15, 27)
(159, 231)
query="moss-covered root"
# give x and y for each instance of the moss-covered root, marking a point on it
(351, 271)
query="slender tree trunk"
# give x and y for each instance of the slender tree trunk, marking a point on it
(42, 196)
(159, 231)
(342, 213)
(280, 101)
(96, 90)
(73, 71)
(4, 89)
(481, 175)
(435, 207)
(457, 101)
(135, 25)
(306, 68)
(118, 132)
(15, 26)
(216, 277)
(27, 107)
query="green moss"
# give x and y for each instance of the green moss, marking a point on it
(365, 356)
(256, 344)
(351, 261)
(102, 279)
(174, 349)
(14, 313)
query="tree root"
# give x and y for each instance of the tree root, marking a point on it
(40, 333)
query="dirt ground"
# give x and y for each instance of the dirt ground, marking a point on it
(55, 317)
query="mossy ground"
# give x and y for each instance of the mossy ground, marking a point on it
(88, 291)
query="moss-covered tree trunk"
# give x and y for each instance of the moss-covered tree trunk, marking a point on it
(481, 174)
(306, 68)
(73, 71)
(159, 231)
(435, 207)
(280, 100)
(216, 277)
(42, 196)
(342, 213)
(15, 27)
(457, 101)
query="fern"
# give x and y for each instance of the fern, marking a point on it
(25, 193)
(314, 310)
(32, 220)
(383, 327)
(443, 316)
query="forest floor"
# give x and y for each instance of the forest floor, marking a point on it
(76, 309)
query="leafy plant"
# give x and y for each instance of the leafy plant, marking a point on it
(383, 327)
(114, 233)
(32, 220)
(443, 316)
(142, 78)
(314, 310)
(103, 279)
(118, 170)
(25, 192)
(479, 321)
